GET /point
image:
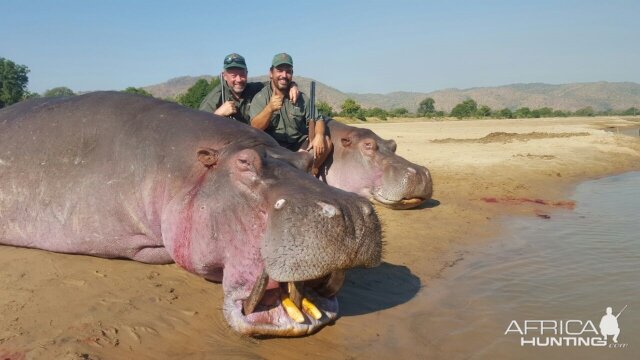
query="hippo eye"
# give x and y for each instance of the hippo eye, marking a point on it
(244, 164)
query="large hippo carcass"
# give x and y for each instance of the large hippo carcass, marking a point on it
(126, 176)
(364, 163)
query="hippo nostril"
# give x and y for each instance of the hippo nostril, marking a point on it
(328, 210)
(279, 204)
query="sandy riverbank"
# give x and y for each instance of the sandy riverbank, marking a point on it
(73, 307)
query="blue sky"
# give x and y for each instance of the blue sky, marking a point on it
(355, 46)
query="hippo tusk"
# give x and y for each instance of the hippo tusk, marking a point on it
(256, 293)
(311, 309)
(296, 301)
(296, 292)
(292, 310)
(333, 284)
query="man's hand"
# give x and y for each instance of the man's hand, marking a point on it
(275, 103)
(226, 109)
(318, 146)
(293, 92)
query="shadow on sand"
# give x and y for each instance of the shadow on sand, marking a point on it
(383, 287)
(431, 203)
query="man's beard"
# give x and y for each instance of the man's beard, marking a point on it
(238, 89)
(282, 86)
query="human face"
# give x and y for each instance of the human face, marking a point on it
(236, 79)
(281, 76)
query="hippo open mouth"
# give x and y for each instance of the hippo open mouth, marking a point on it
(285, 308)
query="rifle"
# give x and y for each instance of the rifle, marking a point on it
(222, 84)
(312, 112)
(621, 311)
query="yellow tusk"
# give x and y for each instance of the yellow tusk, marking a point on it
(292, 310)
(311, 309)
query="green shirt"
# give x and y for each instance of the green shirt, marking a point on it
(289, 126)
(213, 100)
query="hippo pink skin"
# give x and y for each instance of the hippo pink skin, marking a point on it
(125, 176)
(364, 163)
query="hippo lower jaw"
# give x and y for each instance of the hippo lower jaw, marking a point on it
(270, 318)
(398, 204)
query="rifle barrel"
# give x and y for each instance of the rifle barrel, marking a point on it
(312, 100)
(222, 85)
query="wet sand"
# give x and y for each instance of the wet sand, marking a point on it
(79, 307)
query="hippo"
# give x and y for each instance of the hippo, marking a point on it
(364, 163)
(116, 175)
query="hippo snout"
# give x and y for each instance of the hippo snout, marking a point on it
(404, 186)
(309, 238)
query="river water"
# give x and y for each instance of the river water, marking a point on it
(568, 269)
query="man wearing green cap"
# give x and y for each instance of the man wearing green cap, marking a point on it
(286, 119)
(237, 92)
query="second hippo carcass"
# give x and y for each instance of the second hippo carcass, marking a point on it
(364, 163)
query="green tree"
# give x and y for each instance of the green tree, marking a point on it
(484, 111)
(376, 112)
(196, 93)
(396, 112)
(350, 108)
(30, 95)
(324, 108)
(586, 111)
(535, 113)
(545, 112)
(631, 111)
(559, 113)
(466, 108)
(505, 113)
(427, 107)
(13, 82)
(135, 90)
(58, 91)
(523, 112)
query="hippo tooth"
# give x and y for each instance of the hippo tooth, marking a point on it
(412, 170)
(296, 292)
(333, 284)
(256, 293)
(291, 309)
(328, 210)
(311, 309)
(279, 204)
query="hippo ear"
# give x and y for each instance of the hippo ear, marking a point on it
(346, 141)
(208, 157)
(392, 145)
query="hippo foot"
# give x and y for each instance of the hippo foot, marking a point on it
(271, 318)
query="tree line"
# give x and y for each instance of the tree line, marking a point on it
(467, 109)
(14, 80)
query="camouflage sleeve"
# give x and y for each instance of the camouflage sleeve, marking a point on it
(213, 100)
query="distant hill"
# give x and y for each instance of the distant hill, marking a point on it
(599, 95)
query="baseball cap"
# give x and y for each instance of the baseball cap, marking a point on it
(282, 58)
(234, 61)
